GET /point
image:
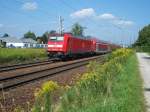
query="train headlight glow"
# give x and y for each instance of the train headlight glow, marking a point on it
(50, 45)
(59, 46)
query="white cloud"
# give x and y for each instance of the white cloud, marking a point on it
(107, 16)
(115, 20)
(83, 13)
(1, 25)
(123, 22)
(30, 6)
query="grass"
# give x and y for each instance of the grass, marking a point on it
(122, 94)
(15, 55)
(115, 86)
(127, 90)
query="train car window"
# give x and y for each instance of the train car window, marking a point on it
(56, 38)
(60, 38)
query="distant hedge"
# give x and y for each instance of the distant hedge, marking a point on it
(142, 48)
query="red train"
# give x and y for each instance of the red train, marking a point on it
(67, 45)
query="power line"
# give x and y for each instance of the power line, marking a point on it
(72, 8)
(89, 19)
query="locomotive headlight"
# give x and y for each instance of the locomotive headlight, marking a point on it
(59, 45)
(50, 45)
(56, 46)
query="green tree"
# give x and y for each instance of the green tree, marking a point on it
(39, 39)
(52, 32)
(5, 35)
(144, 37)
(77, 30)
(30, 34)
(46, 35)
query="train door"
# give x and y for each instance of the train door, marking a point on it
(97, 47)
(69, 47)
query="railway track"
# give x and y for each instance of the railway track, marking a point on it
(18, 80)
(26, 65)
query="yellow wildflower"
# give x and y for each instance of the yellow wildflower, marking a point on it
(49, 86)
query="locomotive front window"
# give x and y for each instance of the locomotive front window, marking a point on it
(56, 38)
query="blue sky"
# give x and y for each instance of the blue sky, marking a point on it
(117, 21)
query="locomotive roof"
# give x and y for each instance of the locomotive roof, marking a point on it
(10, 39)
(81, 37)
(28, 40)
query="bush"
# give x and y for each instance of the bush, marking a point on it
(142, 48)
(94, 92)
(43, 97)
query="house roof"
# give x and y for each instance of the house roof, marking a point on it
(10, 39)
(16, 40)
(28, 40)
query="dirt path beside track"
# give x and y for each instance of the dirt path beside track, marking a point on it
(144, 65)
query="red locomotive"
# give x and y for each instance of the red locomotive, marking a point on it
(67, 45)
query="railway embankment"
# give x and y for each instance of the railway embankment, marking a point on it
(18, 83)
(115, 86)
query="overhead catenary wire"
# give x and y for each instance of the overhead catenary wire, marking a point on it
(72, 8)
(89, 19)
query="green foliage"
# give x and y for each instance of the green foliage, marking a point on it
(18, 55)
(144, 37)
(6, 35)
(43, 97)
(18, 109)
(143, 48)
(2, 44)
(112, 87)
(44, 37)
(143, 41)
(115, 86)
(77, 30)
(30, 34)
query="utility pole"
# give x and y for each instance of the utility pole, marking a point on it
(61, 29)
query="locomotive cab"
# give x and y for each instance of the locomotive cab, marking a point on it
(57, 46)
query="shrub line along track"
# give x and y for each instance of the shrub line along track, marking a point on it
(26, 65)
(14, 81)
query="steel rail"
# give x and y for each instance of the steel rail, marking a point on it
(11, 82)
(25, 65)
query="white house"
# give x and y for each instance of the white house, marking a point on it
(12, 42)
(29, 43)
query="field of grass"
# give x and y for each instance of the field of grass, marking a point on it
(115, 86)
(16, 55)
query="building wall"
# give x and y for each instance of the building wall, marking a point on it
(17, 45)
(25, 45)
